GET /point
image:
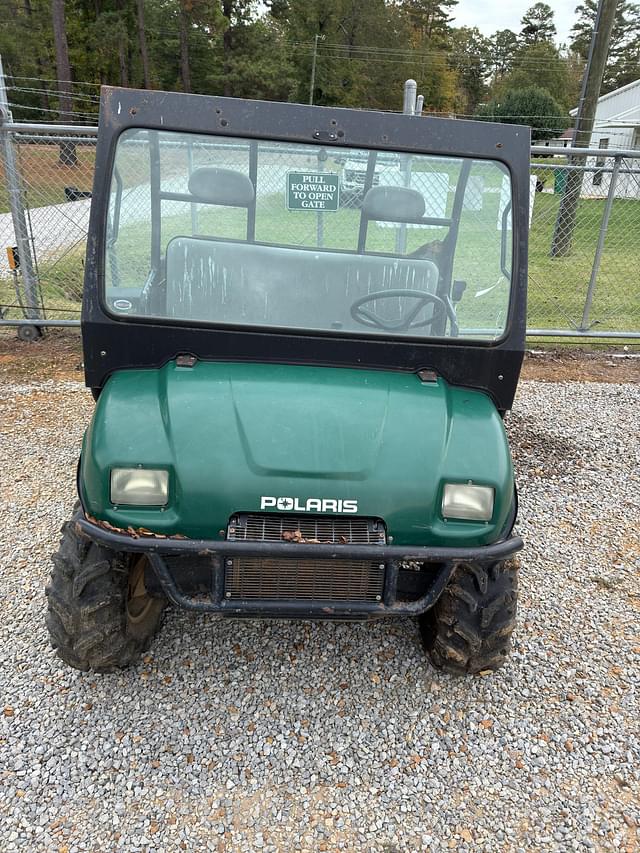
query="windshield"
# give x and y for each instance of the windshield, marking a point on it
(273, 235)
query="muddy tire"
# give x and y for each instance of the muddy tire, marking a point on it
(99, 615)
(469, 629)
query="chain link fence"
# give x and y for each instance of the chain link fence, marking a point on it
(584, 254)
(46, 175)
(584, 246)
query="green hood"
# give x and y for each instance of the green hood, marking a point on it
(236, 437)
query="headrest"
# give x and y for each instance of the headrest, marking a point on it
(393, 204)
(221, 186)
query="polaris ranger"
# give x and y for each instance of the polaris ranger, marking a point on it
(299, 405)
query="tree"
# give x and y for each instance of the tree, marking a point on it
(540, 64)
(429, 19)
(470, 55)
(354, 66)
(258, 65)
(504, 46)
(142, 42)
(623, 64)
(537, 24)
(533, 106)
(185, 66)
(236, 16)
(68, 155)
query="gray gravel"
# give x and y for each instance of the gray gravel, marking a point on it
(314, 736)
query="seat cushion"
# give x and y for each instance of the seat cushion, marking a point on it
(249, 284)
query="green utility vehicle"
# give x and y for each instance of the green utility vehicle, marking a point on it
(299, 403)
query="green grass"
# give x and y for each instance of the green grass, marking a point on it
(558, 286)
(44, 178)
(61, 288)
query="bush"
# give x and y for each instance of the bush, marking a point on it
(533, 106)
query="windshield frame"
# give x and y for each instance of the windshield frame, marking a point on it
(346, 130)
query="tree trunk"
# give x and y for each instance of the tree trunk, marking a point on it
(227, 46)
(39, 63)
(185, 70)
(122, 62)
(123, 45)
(68, 155)
(142, 41)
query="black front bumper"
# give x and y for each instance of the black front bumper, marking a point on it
(218, 553)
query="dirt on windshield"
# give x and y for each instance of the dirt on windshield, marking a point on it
(58, 355)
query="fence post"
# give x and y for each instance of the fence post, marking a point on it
(604, 224)
(14, 191)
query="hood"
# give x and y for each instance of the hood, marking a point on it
(255, 437)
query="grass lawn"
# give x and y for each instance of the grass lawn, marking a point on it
(45, 178)
(558, 286)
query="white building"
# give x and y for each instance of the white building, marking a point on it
(562, 141)
(617, 125)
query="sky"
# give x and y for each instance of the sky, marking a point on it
(492, 15)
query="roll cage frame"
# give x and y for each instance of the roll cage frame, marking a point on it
(112, 343)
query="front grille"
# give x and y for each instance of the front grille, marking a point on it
(304, 579)
(291, 578)
(317, 529)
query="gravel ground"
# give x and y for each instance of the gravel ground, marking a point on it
(317, 736)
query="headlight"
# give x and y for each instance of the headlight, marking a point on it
(139, 486)
(467, 501)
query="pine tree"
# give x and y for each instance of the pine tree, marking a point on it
(623, 64)
(471, 56)
(430, 19)
(504, 46)
(537, 24)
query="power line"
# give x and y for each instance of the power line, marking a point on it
(55, 93)
(56, 112)
(51, 80)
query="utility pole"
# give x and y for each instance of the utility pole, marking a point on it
(591, 85)
(313, 67)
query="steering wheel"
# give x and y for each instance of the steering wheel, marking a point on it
(369, 318)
